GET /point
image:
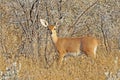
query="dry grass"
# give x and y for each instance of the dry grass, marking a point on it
(74, 68)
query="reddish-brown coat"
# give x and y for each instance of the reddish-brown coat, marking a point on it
(74, 46)
(87, 45)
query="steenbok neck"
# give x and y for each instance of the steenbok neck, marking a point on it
(54, 36)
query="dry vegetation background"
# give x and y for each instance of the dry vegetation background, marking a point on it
(26, 49)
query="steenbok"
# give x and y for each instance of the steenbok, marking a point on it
(71, 46)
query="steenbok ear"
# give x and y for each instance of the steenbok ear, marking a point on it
(44, 22)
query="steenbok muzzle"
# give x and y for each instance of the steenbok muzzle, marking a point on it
(72, 46)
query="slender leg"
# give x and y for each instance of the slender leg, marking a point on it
(90, 53)
(60, 59)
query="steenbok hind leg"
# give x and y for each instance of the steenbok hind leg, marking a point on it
(91, 56)
(90, 53)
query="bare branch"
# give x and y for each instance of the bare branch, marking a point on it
(33, 5)
(73, 25)
(83, 13)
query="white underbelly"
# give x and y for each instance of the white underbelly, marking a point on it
(73, 54)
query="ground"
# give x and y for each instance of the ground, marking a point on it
(105, 66)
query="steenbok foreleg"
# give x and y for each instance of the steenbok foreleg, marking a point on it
(60, 59)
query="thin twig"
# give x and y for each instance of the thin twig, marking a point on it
(103, 33)
(31, 10)
(80, 17)
(83, 13)
(46, 42)
(19, 21)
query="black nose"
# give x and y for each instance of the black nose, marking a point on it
(50, 32)
(47, 28)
